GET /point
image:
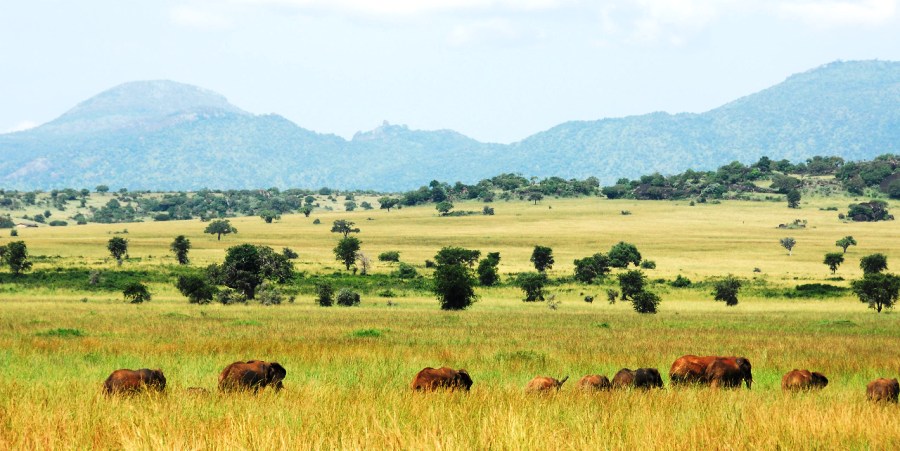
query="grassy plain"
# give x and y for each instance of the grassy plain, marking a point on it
(349, 368)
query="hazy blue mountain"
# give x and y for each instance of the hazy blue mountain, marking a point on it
(167, 135)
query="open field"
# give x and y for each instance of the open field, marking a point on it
(349, 368)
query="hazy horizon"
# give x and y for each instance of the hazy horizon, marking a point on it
(494, 70)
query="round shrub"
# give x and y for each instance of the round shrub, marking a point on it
(347, 298)
(324, 294)
(645, 302)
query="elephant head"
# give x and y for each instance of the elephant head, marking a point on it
(746, 371)
(275, 373)
(647, 378)
(463, 379)
(818, 380)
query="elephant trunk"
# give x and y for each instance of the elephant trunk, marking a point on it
(748, 381)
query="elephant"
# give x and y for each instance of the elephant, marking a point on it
(729, 372)
(882, 389)
(594, 382)
(690, 369)
(645, 378)
(126, 381)
(796, 380)
(431, 379)
(543, 384)
(252, 375)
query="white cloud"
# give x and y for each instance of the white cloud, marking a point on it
(840, 13)
(22, 126)
(201, 18)
(411, 7)
(497, 31)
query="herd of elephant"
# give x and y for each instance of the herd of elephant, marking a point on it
(714, 371)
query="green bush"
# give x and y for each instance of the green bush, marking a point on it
(389, 256)
(136, 293)
(347, 298)
(645, 302)
(405, 271)
(324, 294)
(680, 282)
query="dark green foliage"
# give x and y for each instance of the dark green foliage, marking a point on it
(229, 296)
(136, 293)
(535, 196)
(542, 258)
(875, 210)
(387, 203)
(591, 268)
(784, 184)
(444, 207)
(306, 210)
(680, 282)
(118, 247)
(15, 255)
(645, 302)
(366, 205)
(344, 227)
(389, 256)
(726, 290)
(405, 271)
(648, 264)
(845, 242)
(453, 279)
(350, 205)
(269, 294)
(324, 294)
(815, 291)
(196, 288)
(532, 283)
(246, 266)
(487, 211)
(487, 269)
(346, 250)
(893, 189)
(873, 264)
(631, 283)
(793, 198)
(833, 260)
(788, 243)
(268, 216)
(58, 223)
(6, 222)
(180, 247)
(611, 295)
(622, 253)
(347, 298)
(289, 253)
(879, 290)
(220, 227)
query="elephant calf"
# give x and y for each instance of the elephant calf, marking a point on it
(126, 381)
(594, 382)
(252, 375)
(729, 372)
(645, 378)
(796, 380)
(430, 379)
(882, 389)
(543, 384)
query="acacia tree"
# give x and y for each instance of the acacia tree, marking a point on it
(878, 290)
(833, 260)
(444, 207)
(180, 247)
(542, 257)
(220, 227)
(845, 242)
(246, 266)
(344, 227)
(454, 283)
(726, 290)
(535, 196)
(532, 283)
(622, 253)
(15, 255)
(589, 268)
(136, 293)
(788, 243)
(118, 248)
(386, 203)
(873, 264)
(793, 198)
(631, 283)
(346, 250)
(487, 269)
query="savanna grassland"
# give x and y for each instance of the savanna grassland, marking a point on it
(349, 368)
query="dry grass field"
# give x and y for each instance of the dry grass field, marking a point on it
(349, 368)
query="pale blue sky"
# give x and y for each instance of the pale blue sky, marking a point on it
(496, 70)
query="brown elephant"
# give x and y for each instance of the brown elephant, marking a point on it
(126, 381)
(543, 384)
(594, 382)
(645, 378)
(252, 375)
(430, 379)
(796, 380)
(690, 369)
(882, 389)
(729, 372)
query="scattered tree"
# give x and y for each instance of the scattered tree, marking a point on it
(453, 279)
(344, 227)
(15, 255)
(101, 189)
(180, 247)
(346, 250)
(386, 203)
(306, 210)
(196, 288)
(220, 227)
(350, 205)
(532, 283)
(269, 215)
(873, 264)
(289, 253)
(788, 243)
(324, 294)
(347, 298)
(833, 260)
(444, 207)
(878, 290)
(631, 283)
(845, 242)
(793, 198)
(487, 269)
(118, 248)
(726, 290)
(535, 196)
(389, 256)
(246, 266)
(542, 257)
(487, 211)
(622, 253)
(590, 268)
(136, 293)
(365, 205)
(645, 302)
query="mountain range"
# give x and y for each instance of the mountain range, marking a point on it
(170, 136)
